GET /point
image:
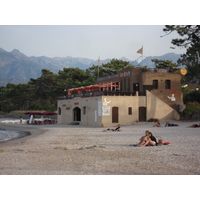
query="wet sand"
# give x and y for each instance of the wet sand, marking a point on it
(79, 150)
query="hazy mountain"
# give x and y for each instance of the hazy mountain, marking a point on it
(169, 56)
(15, 67)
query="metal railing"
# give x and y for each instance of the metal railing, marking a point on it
(98, 93)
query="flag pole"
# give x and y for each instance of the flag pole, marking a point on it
(142, 52)
(98, 66)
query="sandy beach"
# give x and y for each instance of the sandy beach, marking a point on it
(78, 150)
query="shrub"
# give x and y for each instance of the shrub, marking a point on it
(191, 108)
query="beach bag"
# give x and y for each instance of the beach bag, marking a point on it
(160, 141)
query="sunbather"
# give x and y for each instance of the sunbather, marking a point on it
(111, 130)
(170, 124)
(147, 140)
(194, 126)
(157, 124)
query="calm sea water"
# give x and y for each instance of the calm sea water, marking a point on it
(6, 135)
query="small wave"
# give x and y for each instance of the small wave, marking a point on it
(12, 121)
(6, 135)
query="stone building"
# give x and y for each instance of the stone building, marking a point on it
(131, 95)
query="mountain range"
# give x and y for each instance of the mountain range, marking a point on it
(15, 67)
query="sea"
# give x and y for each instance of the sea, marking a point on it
(6, 135)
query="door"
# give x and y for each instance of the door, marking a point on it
(77, 114)
(142, 114)
(135, 87)
(115, 115)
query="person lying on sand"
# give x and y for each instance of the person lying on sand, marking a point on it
(111, 130)
(194, 126)
(147, 140)
(157, 124)
(170, 124)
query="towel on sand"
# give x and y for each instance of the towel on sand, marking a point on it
(135, 145)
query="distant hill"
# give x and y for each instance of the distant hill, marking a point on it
(15, 67)
(169, 56)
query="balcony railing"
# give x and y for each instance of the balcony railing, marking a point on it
(108, 77)
(98, 93)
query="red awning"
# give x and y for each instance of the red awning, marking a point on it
(33, 113)
(40, 113)
(91, 88)
(49, 113)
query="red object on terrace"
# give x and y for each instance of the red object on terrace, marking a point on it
(40, 113)
(33, 113)
(49, 113)
(92, 88)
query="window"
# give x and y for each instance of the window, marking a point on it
(84, 110)
(167, 84)
(125, 89)
(155, 84)
(121, 85)
(130, 110)
(128, 84)
(59, 111)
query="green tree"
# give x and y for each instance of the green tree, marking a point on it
(73, 77)
(164, 64)
(191, 60)
(190, 39)
(112, 67)
(44, 89)
(190, 34)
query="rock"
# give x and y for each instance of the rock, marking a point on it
(82, 148)
(63, 148)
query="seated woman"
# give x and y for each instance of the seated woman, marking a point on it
(170, 124)
(147, 140)
(111, 130)
(157, 124)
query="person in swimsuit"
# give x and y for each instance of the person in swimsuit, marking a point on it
(170, 124)
(147, 140)
(157, 124)
(111, 130)
(194, 126)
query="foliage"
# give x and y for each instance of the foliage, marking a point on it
(109, 68)
(190, 39)
(193, 96)
(42, 93)
(185, 90)
(190, 34)
(191, 60)
(192, 101)
(191, 108)
(152, 120)
(164, 63)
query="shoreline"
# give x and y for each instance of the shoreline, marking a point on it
(80, 150)
(25, 132)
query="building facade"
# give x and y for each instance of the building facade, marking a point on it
(131, 95)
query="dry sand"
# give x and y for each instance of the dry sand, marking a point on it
(79, 150)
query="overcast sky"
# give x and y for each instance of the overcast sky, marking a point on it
(106, 39)
(87, 41)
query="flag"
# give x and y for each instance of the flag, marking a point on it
(99, 60)
(140, 51)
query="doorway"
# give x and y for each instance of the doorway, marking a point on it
(77, 114)
(115, 114)
(142, 114)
